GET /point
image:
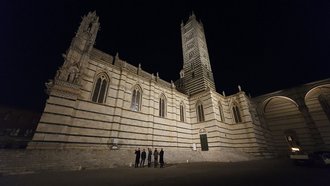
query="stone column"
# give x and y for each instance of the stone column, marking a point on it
(315, 134)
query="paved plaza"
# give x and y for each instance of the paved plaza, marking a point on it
(260, 172)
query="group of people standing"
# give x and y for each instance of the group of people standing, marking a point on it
(143, 156)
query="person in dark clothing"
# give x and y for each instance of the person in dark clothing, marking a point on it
(137, 157)
(155, 158)
(161, 158)
(149, 157)
(143, 157)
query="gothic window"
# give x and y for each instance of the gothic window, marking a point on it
(325, 105)
(100, 89)
(181, 112)
(193, 75)
(237, 114)
(136, 99)
(162, 106)
(200, 112)
(222, 118)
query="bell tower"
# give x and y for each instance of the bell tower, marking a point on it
(196, 75)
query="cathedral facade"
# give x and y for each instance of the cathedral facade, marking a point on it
(97, 100)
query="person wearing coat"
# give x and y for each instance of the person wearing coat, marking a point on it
(137, 157)
(155, 158)
(161, 158)
(149, 157)
(143, 157)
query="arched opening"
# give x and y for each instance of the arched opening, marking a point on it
(136, 101)
(203, 139)
(182, 112)
(221, 115)
(317, 101)
(282, 115)
(236, 112)
(162, 106)
(200, 111)
(100, 88)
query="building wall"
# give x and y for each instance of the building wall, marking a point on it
(80, 123)
(94, 123)
(72, 120)
(297, 110)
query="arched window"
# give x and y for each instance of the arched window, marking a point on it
(136, 99)
(162, 106)
(181, 112)
(222, 118)
(237, 114)
(325, 105)
(100, 89)
(200, 112)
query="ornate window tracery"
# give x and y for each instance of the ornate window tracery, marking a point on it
(100, 89)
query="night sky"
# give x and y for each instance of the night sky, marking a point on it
(263, 46)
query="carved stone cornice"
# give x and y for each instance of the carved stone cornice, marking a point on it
(63, 88)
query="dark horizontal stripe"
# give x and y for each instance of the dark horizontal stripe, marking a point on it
(130, 125)
(128, 111)
(169, 105)
(115, 130)
(232, 140)
(62, 98)
(100, 136)
(91, 143)
(111, 137)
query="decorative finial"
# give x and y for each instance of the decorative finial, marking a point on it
(223, 93)
(239, 88)
(172, 84)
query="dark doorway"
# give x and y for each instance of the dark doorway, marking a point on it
(204, 144)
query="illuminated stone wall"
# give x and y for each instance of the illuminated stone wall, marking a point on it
(302, 112)
(74, 118)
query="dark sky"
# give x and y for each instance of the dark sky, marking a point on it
(262, 45)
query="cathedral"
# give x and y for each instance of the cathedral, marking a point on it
(99, 101)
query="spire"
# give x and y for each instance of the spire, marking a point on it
(192, 16)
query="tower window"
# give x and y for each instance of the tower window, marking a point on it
(100, 89)
(181, 112)
(237, 114)
(162, 106)
(222, 118)
(193, 75)
(200, 112)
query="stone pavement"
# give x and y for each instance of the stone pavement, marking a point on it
(258, 172)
